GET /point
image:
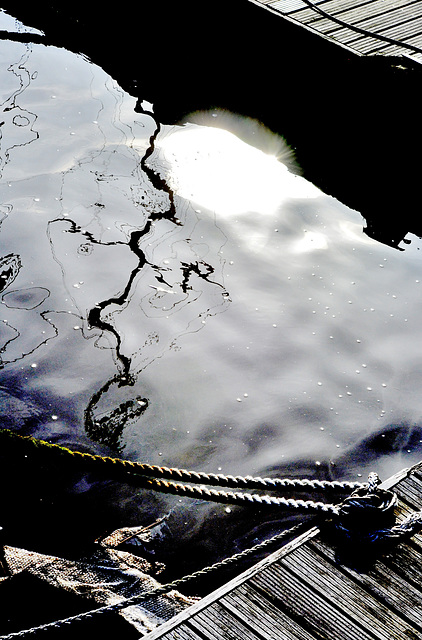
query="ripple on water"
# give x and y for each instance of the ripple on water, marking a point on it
(247, 311)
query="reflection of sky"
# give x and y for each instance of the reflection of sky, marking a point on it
(8, 23)
(264, 326)
(215, 169)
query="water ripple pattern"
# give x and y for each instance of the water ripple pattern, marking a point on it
(179, 293)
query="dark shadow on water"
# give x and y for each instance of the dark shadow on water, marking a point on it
(352, 122)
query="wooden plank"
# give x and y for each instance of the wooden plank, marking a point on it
(280, 8)
(396, 19)
(410, 492)
(370, 45)
(358, 19)
(262, 616)
(355, 11)
(317, 613)
(385, 583)
(406, 562)
(286, 6)
(216, 622)
(390, 28)
(388, 50)
(182, 633)
(348, 595)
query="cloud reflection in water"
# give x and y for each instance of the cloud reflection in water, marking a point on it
(254, 325)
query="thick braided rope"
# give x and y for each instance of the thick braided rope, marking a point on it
(122, 468)
(230, 497)
(162, 589)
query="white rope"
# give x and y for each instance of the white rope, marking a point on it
(203, 493)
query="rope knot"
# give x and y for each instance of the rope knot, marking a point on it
(366, 514)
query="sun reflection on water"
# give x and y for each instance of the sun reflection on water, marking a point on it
(217, 170)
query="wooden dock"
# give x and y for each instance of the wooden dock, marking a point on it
(365, 27)
(302, 592)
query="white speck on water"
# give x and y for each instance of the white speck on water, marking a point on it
(34, 365)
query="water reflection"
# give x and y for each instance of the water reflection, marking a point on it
(105, 224)
(177, 294)
(217, 170)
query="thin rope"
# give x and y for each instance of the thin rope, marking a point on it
(135, 470)
(365, 32)
(162, 589)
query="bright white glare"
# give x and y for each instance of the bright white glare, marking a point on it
(217, 170)
(311, 241)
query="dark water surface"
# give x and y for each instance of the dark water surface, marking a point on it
(174, 295)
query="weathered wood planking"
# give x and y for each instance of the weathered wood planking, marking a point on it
(302, 592)
(400, 20)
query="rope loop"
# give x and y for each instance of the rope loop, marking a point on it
(367, 515)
